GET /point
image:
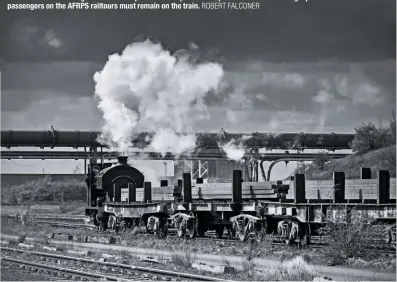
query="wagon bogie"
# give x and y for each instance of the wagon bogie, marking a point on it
(184, 224)
(294, 231)
(157, 225)
(244, 224)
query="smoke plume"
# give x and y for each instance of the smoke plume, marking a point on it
(146, 88)
(233, 151)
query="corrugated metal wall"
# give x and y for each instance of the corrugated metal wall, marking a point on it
(222, 170)
(219, 170)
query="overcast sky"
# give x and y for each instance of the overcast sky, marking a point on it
(320, 66)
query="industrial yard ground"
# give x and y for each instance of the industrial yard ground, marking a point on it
(253, 261)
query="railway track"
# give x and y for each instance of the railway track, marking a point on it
(315, 242)
(89, 269)
(67, 225)
(55, 271)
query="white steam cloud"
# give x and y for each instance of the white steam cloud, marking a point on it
(147, 88)
(233, 152)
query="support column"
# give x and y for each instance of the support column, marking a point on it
(237, 186)
(87, 179)
(339, 187)
(92, 161)
(94, 155)
(256, 171)
(101, 157)
(85, 161)
(147, 192)
(300, 189)
(383, 187)
(187, 187)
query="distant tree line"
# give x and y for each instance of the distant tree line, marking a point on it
(367, 138)
(318, 164)
(45, 190)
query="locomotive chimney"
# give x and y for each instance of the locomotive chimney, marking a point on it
(122, 160)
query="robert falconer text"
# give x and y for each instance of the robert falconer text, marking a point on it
(217, 5)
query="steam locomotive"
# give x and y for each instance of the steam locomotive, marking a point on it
(112, 199)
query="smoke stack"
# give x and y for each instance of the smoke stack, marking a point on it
(122, 160)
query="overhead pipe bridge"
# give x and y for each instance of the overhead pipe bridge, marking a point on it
(79, 139)
(79, 155)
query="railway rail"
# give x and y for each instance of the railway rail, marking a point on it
(94, 268)
(69, 274)
(67, 225)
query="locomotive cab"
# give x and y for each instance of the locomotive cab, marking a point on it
(108, 183)
(118, 183)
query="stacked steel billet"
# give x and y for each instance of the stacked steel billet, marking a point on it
(75, 265)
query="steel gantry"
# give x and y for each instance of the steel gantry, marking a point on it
(252, 160)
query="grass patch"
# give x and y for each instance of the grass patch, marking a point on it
(184, 258)
(296, 269)
(350, 240)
